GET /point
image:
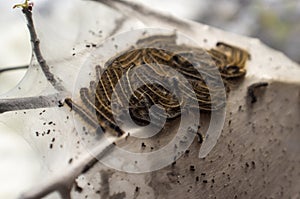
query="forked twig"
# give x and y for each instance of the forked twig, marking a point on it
(37, 101)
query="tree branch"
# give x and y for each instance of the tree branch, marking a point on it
(37, 101)
(36, 49)
(29, 103)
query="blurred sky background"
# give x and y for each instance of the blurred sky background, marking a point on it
(275, 22)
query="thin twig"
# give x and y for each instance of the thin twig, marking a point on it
(13, 68)
(36, 49)
(29, 103)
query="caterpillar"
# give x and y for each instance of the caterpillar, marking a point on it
(143, 65)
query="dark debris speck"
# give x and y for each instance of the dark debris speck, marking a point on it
(253, 164)
(192, 168)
